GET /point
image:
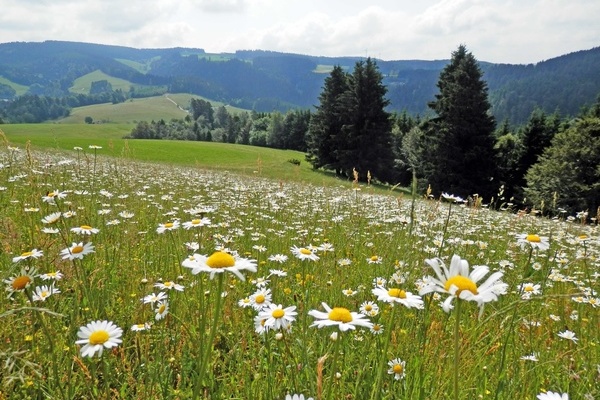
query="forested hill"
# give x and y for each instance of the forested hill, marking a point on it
(267, 81)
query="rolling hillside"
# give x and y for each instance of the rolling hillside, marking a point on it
(267, 81)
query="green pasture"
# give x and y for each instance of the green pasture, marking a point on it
(20, 89)
(248, 160)
(84, 83)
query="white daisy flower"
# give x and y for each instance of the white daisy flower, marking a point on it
(341, 317)
(553, 396)
(219, 262)
(41, 293)
(395, 295)
(98, 335)
(276, 317)
(85, 230)
(77, 250)
(35, 253)
(304, 253)
(397, 368)
(535, 241)
(458, 282)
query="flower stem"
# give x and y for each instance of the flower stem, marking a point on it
(456, 347)
(204, 362)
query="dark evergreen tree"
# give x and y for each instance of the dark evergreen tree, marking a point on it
(327, 121)
(462, 131)
(366, 139)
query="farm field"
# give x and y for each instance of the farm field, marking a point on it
(133, 279)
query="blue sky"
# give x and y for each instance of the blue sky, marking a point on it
(501, 31)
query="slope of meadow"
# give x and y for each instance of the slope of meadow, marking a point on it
(139, 280)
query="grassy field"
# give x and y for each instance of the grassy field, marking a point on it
(247, 160)
(20, 89)
(130, 280)
(83, 84)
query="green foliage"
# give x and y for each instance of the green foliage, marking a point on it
(567, 175)
(462, 153)
(351, 129)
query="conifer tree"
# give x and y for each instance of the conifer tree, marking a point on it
(462, 154)
(326, 123)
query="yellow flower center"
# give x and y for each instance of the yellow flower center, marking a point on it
(140, 326)
(85, 227)
(27, 254)
(398, 368)
(161, 309)
(168, 284)
(306, 252)
(368, 307)
(77, 249)
(376, 327)
(259, 299)
(21, 282)
(51, 194)
(533, 238)
(462, 283)
(169, 225)
(528, 288)
(374, 258)
(278, 313)
(44, 294)
(340, 314)
(98, 337)
(195, 222)
(220, 259)
(399, 293)
(583, 237)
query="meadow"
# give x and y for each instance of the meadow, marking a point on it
(132, 279)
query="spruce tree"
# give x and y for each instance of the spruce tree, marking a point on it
(327, 121)
(462, 133)
(366, 144)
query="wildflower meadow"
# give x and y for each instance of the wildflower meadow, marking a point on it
(129, 280)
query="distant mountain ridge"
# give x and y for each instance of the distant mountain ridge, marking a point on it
(268, 80)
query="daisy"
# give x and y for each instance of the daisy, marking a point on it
(57, 276)
(51, 218)
(276, 317)
(395, 295)
(219, 262)
(261, 299)
(277, 272)
(529, 289)
(325, 247)
(77, 250)
(535, 241)
(41, 293)
(530, 357)
(452, 198)
(169, 226)
(280, 258)
(35, 253)
(98, 335)
(196, 223)
(259, 248)
(126, 214)
(296, 397)
(569, 335)
(396, 368)
(349, 292)
(344, 262)
(85, 230)
(50, 231)
(341, 317)
(245, 302)
(141, 327)
(458, 282)
(259, 325)
(369, 308)
(21, 281)
(153, 298)
(162, 309)
(376, 329)
(169, 285)
(304, 253)
(374, 260)
(51, 197)
(553, 396)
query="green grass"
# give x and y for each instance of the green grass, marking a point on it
(83, 84)
(20, 89)
(140, 67)
(208, 346)
(249, 160)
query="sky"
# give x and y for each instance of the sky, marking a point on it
(499, 31)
